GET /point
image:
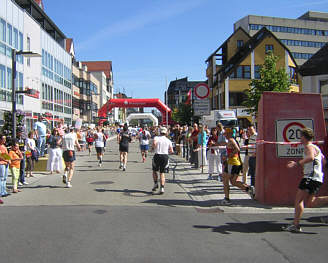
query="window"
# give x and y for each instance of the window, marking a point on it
(268, 48)
(15, 44)
(28, 46)
(293, 75)
(236, 98)
(2, 30)
(2, 76)
(9, 34)
(9, 79)
(241, 72)
(257, 73)
(240, 43)
(324, 87)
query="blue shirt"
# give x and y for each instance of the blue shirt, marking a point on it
(204, 138)
(41, 128)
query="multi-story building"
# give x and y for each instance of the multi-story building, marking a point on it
(303, 36)
(315, 76)
(178, 90)
(24, 26)
(240, 58)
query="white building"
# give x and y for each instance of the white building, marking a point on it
(30, 29)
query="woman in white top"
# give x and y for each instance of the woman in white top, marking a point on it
(312, 179)
(30, 148)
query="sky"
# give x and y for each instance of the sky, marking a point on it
(153, 42)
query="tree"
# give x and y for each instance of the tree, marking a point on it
(182, 114)
(271, 79)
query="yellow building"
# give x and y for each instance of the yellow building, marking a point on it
(238, 60)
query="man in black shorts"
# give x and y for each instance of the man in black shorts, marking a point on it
(162, 147)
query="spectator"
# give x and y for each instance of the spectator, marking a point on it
(16, 157)
(55, 162)
(31, 153)
(40, 129)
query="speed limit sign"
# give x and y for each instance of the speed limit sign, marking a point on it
(290, 131)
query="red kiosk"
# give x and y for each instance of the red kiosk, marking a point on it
(137, 103)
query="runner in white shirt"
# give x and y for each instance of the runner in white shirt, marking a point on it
(99, 144)
(144, 137)
(162, 147)
(69, 141)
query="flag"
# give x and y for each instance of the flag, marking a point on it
(188, 97)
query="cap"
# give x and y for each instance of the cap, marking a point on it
(163, 130)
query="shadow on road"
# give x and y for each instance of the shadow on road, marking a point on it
(127, 192)
(251, 227)
(175, 202)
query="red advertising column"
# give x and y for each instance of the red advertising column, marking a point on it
(281, 116)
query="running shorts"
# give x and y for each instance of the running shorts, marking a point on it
(144, 147)
(99, 149)
(124, 148)
(160, 162)
(310, 186)
(232, 169)
(69, 156)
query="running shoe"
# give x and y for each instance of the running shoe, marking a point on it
(324, 219)
(161, 191)
(69, 185)
(251, 192)
(154, 188)
(292, 228)
(121, 166)
(99, 164)
(20, 184)
(226, 201)
(124, 168)
(64, 178)
(25, 183)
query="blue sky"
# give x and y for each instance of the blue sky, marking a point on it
(151, 42)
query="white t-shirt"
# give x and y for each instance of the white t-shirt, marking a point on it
(30, 143)
(163, 145)
(69, 141)
(143, 135)
(99, 142)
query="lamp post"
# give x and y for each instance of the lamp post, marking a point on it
(14, 53)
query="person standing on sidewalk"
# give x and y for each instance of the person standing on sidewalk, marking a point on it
(252, 153)
(55, 162)
(22, 147)
(194, 140)
(246, 157)
(124, 139)
(309, 186)
(202, 142)
(162, 147)
(16, 156)
(232, 169)
(99, 144)
(40, 129)
(69, 141)
(213, 154)
(4, 164)
(222, 141)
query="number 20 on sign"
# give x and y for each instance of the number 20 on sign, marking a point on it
(290, 131)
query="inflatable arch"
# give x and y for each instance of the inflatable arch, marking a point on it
(138, 116)
(137, 103)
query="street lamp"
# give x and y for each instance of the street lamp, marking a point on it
(14, 53)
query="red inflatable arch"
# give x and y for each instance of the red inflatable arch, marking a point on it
(136, 103)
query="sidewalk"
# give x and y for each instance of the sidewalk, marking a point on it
(207, 194)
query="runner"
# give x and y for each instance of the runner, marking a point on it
(90, 139)
(232, 169)
(69, 141)
(99, 144)
(162, 146)
(144, 137)
(124, 139)
(310, 184)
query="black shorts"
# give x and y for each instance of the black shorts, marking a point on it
(232, 169)
(124, 148)
(69, 156)
(310, 186)
(99, 149)
(160, 162)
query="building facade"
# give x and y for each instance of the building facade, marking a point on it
(177, 91)
(315, 76)
(25, 27)
(303, 36)
(240, 58)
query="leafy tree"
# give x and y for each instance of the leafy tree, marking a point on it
(271, 79)
(182, 114)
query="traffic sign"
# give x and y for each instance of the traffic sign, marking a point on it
(201, 107)
(290, 131)
(202, 91)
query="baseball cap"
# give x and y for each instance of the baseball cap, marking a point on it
(163, 130)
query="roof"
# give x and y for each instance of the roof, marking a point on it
(317, 64)
(95, 66)
(246, 49)
(213, 54)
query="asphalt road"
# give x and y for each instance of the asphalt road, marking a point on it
(110, 216)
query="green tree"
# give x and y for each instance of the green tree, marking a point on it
(271, 79)
(182, 114)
